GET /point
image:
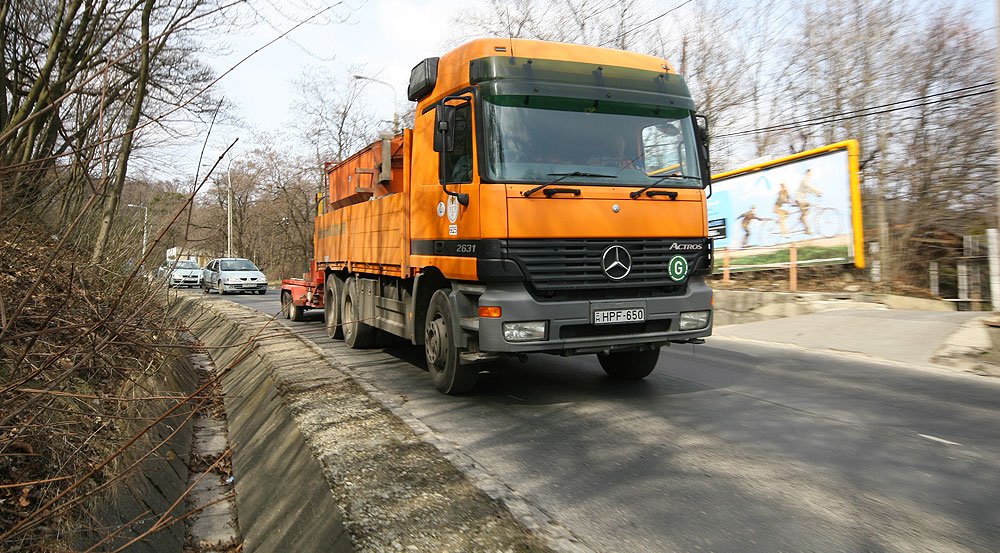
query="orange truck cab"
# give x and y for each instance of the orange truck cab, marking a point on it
(550, 198)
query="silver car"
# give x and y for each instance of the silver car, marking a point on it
(233, 274)
(180, 273)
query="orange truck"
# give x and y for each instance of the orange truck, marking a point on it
(550, 198)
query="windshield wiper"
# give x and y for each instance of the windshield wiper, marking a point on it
(563, 176)
(639, 192)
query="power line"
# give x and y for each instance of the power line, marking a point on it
(641, 25)
(865, 112)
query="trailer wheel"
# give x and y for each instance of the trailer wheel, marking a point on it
(333, 287)
(449, 376)
(357, 334)
(629, 365)
(291, 311)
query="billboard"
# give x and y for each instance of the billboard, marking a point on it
(810, 200)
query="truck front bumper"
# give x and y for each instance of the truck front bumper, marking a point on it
(569, 324)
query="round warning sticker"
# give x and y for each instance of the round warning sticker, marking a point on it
(452, 209)
(440, 209)
(677, 268)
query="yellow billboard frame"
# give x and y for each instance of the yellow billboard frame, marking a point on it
(853, 163)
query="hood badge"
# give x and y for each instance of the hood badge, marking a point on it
(616, 262)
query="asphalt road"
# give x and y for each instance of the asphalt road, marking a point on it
(730, 446)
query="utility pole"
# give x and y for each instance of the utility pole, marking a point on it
(883, 215)
(992, 236)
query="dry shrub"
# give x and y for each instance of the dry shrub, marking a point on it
(82, 348)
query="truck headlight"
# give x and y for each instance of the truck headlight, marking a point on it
(694, 320)
(524, 332)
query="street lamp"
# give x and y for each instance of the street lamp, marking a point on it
(145, 224)
(229, 211)
(395, 103)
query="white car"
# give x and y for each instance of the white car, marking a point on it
(233, 274)
(180, 273)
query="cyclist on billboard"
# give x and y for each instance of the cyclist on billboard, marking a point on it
(802, 199)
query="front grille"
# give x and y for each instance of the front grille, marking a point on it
(565, 268)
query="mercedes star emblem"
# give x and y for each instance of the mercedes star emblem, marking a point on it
(616, 262)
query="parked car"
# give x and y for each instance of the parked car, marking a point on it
(179, 273)
(233, 274)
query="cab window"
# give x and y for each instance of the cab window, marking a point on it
(458, 162)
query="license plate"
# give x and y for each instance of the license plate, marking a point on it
(618, 316)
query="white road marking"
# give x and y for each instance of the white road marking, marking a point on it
(939, 440)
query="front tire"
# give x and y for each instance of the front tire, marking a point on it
(447, 373)
(262, 292)
(357, 334)
(222, 289)
(770, 233)
(332, 287)
(629, 365)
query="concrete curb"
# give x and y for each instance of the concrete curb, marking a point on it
(961, 349)
(556, 536)
(297, 420)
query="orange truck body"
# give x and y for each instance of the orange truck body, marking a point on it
(390, 231)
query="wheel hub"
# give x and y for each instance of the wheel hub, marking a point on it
(434, 340)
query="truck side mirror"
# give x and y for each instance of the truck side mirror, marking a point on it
(701, 132)
(444, 126)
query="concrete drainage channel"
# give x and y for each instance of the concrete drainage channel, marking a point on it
(322, 462)
(213, 526)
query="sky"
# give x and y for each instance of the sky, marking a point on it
(387, 36)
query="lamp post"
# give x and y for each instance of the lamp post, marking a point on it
(395, 103)
(145, 224)
(229, 210)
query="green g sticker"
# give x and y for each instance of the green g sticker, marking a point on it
(677, 268)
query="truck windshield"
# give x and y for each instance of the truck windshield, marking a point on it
(529, 138)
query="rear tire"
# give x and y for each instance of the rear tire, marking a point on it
(629, 365)
(332, 289)
(357, 334)
(291, 311)
(447, 373)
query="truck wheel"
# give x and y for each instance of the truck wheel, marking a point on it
(449, 376)
(332, 289)
(629, 365)
(357, 334)
(291, 311)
